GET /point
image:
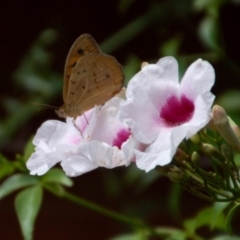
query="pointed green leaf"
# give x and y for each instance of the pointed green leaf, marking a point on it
(204, 218)
(27, 204)
(208, 32)
(190, 226)
(163, 233)
(171, 233)
(16, 182)
(6, 170)
(143, 235)
(3, 160)
(217, 211)
(29, 149)
(54, 188)
(6, 167)
(230, 216)
(225, 237)
(58, 176)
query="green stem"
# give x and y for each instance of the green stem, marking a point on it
(135, 223)
(235, 183)
(219, 192)
(237, 201)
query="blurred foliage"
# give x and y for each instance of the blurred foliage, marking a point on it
(184, 29)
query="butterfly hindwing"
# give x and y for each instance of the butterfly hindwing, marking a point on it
(95, 79)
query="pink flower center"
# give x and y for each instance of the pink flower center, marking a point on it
(177, 111)
(122, 136)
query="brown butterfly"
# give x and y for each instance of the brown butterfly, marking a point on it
(90, 78)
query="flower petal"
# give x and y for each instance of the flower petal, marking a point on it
(104, 155)
(162, 112)
(162, 150)
(37, 164)
(199, 78)
(170, 69)
(77, 165)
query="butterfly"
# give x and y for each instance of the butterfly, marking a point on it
(90, 78)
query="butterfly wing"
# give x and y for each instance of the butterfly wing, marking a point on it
(83, 45)
(94, 80)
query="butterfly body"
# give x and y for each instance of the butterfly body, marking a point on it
(91, 78)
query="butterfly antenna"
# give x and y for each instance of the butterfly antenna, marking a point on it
(45, 105)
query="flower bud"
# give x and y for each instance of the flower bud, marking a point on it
(210, 124)
(195, 139)
(195, 159)
(180, 155)
(163, 170)
(175, 174)
(144, 64)
(234, 127)
(210, 150)
(183, 146)
(221, 122)
(227, 152)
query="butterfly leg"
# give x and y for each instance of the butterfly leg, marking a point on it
(75, 125)
(85, 118)
(102, 106)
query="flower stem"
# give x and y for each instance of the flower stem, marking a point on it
(135, 223)
(212, 189)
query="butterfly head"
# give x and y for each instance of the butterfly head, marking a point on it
(61, 112)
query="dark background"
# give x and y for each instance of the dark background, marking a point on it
(21, 23)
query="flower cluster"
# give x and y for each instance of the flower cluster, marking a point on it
(146, 126)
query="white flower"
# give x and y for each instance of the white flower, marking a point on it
(104, 141)
(162, 112)
(55, 141)
(109, 144)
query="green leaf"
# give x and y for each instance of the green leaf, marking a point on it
(174, 198)
(190, 226)
(128, 237)
(171, 233)
(171, 47)
(55, 188)
(225, 238)
(29, 149)
(208, 32)
(56, 175)
(206, 217)
(163, 233)
(217, 211)
(3, 159)
(230, 216)
(139, 235)
(6, 170)
(27, 204)
(16, 182)
(6, 167)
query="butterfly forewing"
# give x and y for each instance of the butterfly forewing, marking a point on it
(91, 77)
(82, 46)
